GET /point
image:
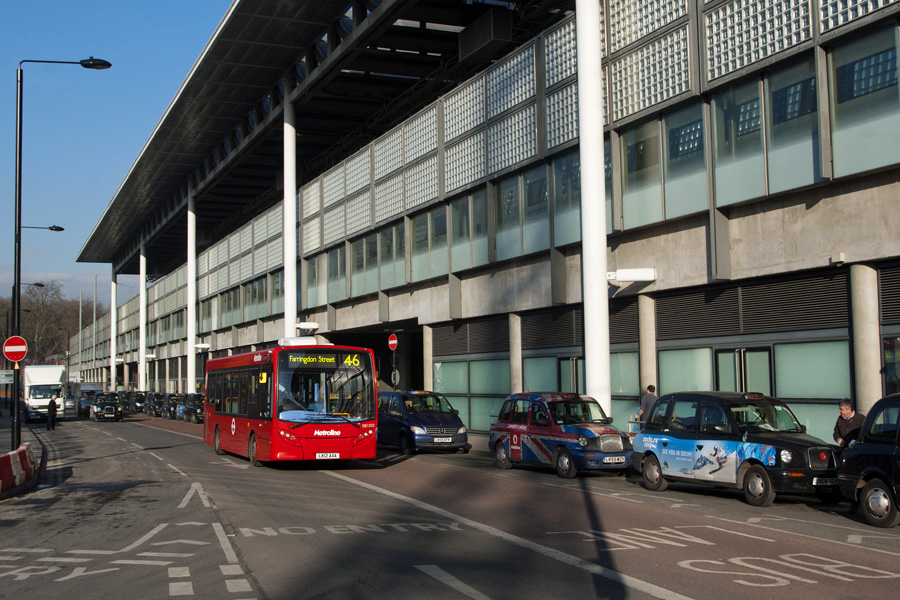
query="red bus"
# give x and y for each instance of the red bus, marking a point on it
(298, 401)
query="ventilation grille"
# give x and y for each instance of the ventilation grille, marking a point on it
(489, 335)
(698, 314)
(889, 282)
(811, 303)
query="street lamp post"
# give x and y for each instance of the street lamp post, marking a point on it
(88, 63)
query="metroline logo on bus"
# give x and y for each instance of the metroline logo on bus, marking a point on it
(326, 432)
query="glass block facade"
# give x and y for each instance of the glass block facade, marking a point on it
(650, 75)
(511, 82)
(464, 109)
(631, 21)
(835, 13)
(743, 32)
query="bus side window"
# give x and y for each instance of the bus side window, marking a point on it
(262, 394)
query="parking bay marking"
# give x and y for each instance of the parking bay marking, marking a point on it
(595, 569)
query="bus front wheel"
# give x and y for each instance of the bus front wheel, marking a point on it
(251, 451)
(216, 445)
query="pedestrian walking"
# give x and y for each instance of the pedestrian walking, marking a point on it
(646, 403)
(51, 414)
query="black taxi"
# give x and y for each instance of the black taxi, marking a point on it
(870, 467)
(751, 442)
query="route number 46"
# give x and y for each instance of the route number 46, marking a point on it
(352, 360)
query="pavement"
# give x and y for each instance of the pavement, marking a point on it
(19, 469)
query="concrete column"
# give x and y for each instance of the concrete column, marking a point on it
(427, 357)
(126, 379)
(516, 383)
(866, 335)
(593, 204)
(143, 384)
(289, 211)
(190, 320)
(647, 343)
(113, 327)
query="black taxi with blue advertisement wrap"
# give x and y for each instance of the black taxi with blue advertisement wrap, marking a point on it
(748, 441)
(568, 431)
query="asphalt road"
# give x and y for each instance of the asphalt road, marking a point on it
(144, 509)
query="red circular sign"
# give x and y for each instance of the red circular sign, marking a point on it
(15, 348)
(392, 342)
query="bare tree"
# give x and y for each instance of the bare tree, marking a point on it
(48, 321)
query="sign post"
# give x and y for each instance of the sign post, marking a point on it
(395, 374)
(15, 348)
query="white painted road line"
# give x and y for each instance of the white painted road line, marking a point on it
(579, 563)
(451, 581)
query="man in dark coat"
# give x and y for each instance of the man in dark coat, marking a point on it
(848, 424)
(51, 413)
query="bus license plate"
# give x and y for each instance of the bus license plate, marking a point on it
(442, 440)
(613, 459)
(825, 481)
(327, 455)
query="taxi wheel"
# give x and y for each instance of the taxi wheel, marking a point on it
(500, 456)
(878, 506)
(652, 473)
(216, 445)
(251, 451)
(565, 466)
(758, 487)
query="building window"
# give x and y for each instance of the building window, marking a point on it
(277, 292)
(865, 106)
(685, 370)
(685, 162)
(315, 285)
(567, 200)
(641, 177)
(536, 213)
(337, 274)
(393, 259)
(438, 256)
(792, 128)
(739, 161)
(419, 250)
(813, 370)
(205, 316)
(509, 221)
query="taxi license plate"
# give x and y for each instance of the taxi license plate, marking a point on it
(825, 481)
(614, 459)
(442, 440)
(327, 455)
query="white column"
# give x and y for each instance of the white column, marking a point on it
(190, 320)
(647, 343)
(143, 384)
(428, 357)
(113, 328)
(593, 203)
(866, 335)
(289, 211)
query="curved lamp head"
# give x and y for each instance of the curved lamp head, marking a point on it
(95, 63)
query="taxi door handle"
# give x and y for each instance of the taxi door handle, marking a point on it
(665, 444)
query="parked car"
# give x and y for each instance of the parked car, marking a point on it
(137, 401)
(84, 406)
(870, 471)
(169, 406)
(420, 421)
(192, 408)
(70, 404)
(746, 441)
(568, 431)
(106, 407)
(153, 405)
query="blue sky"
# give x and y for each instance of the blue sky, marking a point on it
(82, 129)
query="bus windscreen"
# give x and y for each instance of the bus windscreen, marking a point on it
(321, 386)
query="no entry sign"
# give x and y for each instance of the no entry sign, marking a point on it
(392, 342)
(15, 348)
